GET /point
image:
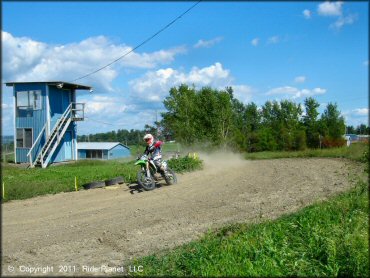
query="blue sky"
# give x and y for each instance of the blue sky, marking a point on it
(265, 50)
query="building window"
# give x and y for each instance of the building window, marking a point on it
(24, 138)
(29, 100)
(94, 154)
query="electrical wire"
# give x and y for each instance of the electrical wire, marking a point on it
(97, 121)
(141, 44)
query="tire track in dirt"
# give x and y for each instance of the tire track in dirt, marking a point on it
(110, 227)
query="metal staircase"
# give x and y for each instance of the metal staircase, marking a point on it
(74, 112)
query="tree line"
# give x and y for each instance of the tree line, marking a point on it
(360, 129)
(127, 137)
(216, 117)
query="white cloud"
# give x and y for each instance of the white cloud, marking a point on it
(294, 92)
(154, 85)
(330, 8)
(307, 14)
(334, 9)
(282, 90)
(300, 79)
(243, 93)
(209, 43)
(255, 41)
(357, 116)
(104, 104)
(149, 90)
(109, 112)
(343, 20)
(273, 40)
(25, 59)
(361, 111)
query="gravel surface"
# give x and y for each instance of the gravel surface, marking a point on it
(98, 231)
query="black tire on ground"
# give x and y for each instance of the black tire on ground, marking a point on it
(117, 180)
(94, 184)
(171, 177)
(148, 184)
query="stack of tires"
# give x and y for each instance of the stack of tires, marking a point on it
(100, 184)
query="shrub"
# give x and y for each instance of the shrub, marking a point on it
(299, 140)
(365, 156)
(329, 142)
(185, 164)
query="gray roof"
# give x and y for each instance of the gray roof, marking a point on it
(98, 145)
(67, 85)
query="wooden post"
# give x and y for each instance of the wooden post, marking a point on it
(3, 191)
(76, 186)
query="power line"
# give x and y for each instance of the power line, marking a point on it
(141, 44)
(97, 121)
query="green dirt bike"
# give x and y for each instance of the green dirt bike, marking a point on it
(149, 174)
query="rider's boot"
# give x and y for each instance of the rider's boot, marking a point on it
(161, 171)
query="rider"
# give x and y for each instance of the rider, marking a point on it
(154, 148)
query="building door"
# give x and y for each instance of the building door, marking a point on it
(68, 145)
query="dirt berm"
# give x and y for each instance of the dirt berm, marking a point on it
(98, 231)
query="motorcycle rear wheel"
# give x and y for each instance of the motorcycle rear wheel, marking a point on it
(145, 182)
(170, 177)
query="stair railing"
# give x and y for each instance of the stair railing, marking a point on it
(71, 113)
(29, 154)
(53, 134)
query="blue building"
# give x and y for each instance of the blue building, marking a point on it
(352, 137)
(102, 150)
(45, 121)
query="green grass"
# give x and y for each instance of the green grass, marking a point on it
(354, 151)
(21, 183)
(325, 239)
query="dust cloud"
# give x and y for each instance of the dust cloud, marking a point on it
(222, 159)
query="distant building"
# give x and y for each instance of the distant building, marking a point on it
(363, 138)
(352, 137)
(45, 123)
(102, 150)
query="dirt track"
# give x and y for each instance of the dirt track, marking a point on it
(108, 227)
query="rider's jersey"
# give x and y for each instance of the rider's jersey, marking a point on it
(155, 150)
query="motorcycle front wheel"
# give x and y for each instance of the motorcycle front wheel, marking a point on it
(145, 182)
(170, 177)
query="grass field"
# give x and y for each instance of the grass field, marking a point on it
(325, 239)
(22, 183)
(355, 151)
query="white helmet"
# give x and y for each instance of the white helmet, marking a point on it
(148, 138)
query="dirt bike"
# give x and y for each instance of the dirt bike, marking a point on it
(149, 173)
